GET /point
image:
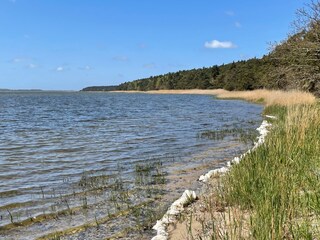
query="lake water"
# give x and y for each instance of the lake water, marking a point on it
(107, 164)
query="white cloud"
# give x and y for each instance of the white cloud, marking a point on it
(60, 69)
(238, 25)
(120, 58)
(18, 60)
(24, 61)
(218, 44)
(21, 59)
(32, 66)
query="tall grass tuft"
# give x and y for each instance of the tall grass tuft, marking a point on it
(279, 182)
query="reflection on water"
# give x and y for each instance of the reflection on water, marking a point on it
(75, 159)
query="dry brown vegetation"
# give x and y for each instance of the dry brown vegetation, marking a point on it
(267, 97)
(271, 97)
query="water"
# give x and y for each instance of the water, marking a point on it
(91, 156)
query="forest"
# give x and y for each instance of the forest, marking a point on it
(290, 64)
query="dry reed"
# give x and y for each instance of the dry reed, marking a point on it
(271, 97)
(267, 97)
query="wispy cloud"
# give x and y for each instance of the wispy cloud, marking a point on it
(21, 60)
(13, 1)
(230, 13)
(86, 68)
(32, 65)
(120, 58)
(238, 25)
(219, 44)
(149, 65)
(60, 69)
(142, 46)
(24, 61)
(18, 60)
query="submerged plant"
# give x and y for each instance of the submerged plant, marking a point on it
(241, 134)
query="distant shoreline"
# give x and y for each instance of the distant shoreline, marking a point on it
(261, 96)
(179, 91)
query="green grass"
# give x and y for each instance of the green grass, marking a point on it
(279, 182)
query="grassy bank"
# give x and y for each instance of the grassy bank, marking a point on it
(279, 182)
(274, 192)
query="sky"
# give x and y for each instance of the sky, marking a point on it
(72, 44)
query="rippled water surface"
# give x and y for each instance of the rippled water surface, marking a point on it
(70, 159)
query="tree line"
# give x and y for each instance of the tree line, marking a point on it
(293, 63)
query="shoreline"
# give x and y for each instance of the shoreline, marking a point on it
(267, 98)
(189, 197)
(179, 91)
(201, 156)
(259, 96)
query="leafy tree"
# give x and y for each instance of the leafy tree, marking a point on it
(291, 64)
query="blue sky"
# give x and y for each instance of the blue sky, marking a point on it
(71, 44)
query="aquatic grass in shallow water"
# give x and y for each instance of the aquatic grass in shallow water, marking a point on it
(242, 135)
(89, 151)
(120, 197)
(150, 173)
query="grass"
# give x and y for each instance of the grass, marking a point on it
(279, 182)
(274, 192)
(150, 173)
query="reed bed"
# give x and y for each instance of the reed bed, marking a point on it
(264, 96)
(270, 97)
